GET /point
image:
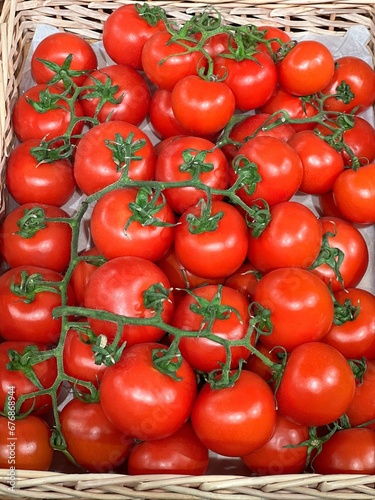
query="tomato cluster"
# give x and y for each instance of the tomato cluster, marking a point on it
(210, 309)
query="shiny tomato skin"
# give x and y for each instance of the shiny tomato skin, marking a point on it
(347, 238)
(180, 453)
(348, 451)
(56, 48)
(355, 338)
(95, 166)
(118, 287)
(125, 26)
(92, 440)
(307, 68)
(300, 304)
(50, 183)
(49, 246)
(245, 410)
(205, 354)
(281, 454)
(278, 165)
(217, 253)
(244, 279)
(162, 118)
(31, 319)
(132, 91)
(317, 385)
(277, 36)
(82, 273)
(148, 404)
(28, 447)
(361, 411)
(293, 238)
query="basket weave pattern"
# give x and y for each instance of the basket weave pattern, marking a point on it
(18, 21)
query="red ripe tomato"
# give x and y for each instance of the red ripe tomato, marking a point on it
(354, 194)
(25, 444)
(281, 454)
(300, 305)
(27, 303)
(252, 81)
(348, 451)
(143, 402)
(17, 381)
(79, 360)
(92, 440)
(359, 76)
(327, 206)
(180, 453)
(108, 151)
(132, 221)
(193, 100)
(353, 333)
(129, 87)
(119, 286)
(215, 44)
(347, 238)
(207, 252)
(322, 164)
(52, 122)
(229, 310)
(276, 36)
(244, 279)
(161, 115)
(165, 62)
(307, 68)
(130, 26)
(50, 182)
(361, 410)
(55, 48)
(317, 385)
(82, 272)
(297, 109)
(246, 410)
(278, 165)
(180, 160)
(48, 246)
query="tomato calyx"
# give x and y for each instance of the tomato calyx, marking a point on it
(30, 285)
(248, 172)
(258, 218)
(345, 312)
(206, 221)
(167, 361)
(151, 14)
(195, 164)
(284, 50)
(63, 72)
(344, 93)
(104, 91)
(47, 101)
(332, 256)
(44, 153)
(359, 367)
(34, 220)
(124, 150)
(24, 362)
(155, 296)
(145, 207)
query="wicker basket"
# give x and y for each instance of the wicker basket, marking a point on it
(85, 17)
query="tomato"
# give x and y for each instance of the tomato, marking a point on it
(55, 48)
(255, 125)
(129, 88)
(211, 252)
(317, 385)
(184, 158)
(180, 453)
(256, 364)
(244, 279)
(194, 98)
(26, 305)
(327, 206)
(292, 238)
(277, 164)
(246, 410)
(161, 115)
(281, 454)
(165, 62)
(348, 451)
(354, 192)
(131, 221)
(359, 76)
(252, 81)
(276, 36)
(215, 44)
(342, 235)
(92, 440)
(300, 305)
(143, 402)
(50, 123)
(43, 181)
(123, 286)
(26, 238)
(83, 270)
(307, 68)
(25, 444)
(226, 311)
(354, 334)
(79, 360)
(17, 381)
(295, 107)
(130, 26)
(108, 151)
(322, 164)
(361, 411)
